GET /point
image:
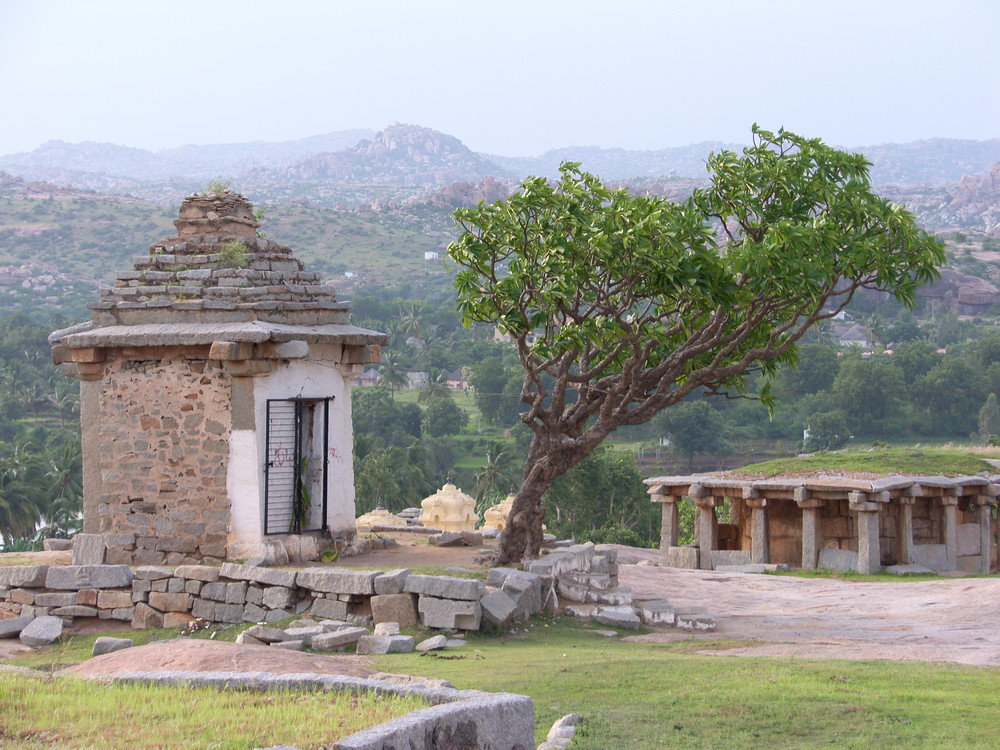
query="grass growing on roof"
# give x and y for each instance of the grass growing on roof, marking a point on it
(946, 461)
(651, 695)
(75, 713)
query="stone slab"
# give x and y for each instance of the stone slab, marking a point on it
(41, 631)
(619, 617)
(338, 581)
(152, 572)
(332, 609)
(841, 560)
(683, 557)
(968, 536)
(12, 626)
(399, 608)
(269, 576)
(498, 608)
(434, 643)
(32, 576)
(88, 549)
(933, 556)
(57, 545)
(385, 644)
(88, 577)
(391, 582)
(730, 557)
(106, 645)
(907, 570)
(342, 638)
(205, 573)
(443, 587)
(449, 613)
(657, 612)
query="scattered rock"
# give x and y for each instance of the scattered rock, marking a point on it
(432, 644)
(106, 644)
(42, 631)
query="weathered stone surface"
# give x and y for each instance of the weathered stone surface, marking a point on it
(838, 559)
(107, 644)
(88, 576)
(176, 619)
(167, 602)
(695, 621)
(434, 643)
(278, 597)
(249, 640)
(449, 613)
(205, 573)
(215, 591)
(146, 617)
(385, 644)
(75, 610)
(152, 573)
(443, 587)
(269, 576)
(57, 545)
(446, 539)
(619, 617)
(236, 593)
(203, 609)
(49, 599)
(338, 639)
(88, 549)
(88, 597)
(305, 634)
(23, 575)
(391, 582)
(581, 610)
(338, 581)
(41, 631)
(399, 608)
(266, 634)
(907, 570)
(657, 612)
(933, 556)
(730, 557)
(329, 609)
(12, 626)
(230, 613)
(683, 557)
(253, 613)
(114, 599)
(293, 645)
(386, 628)
(498, 608)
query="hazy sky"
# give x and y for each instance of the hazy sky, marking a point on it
(510, 77)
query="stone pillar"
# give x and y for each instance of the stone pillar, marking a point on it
(90, 422)
(984, 510)
(708, 525)
(812, 530)
(759, 548)
(949, 506)
(869, 549)
(670, 523)
(904, 531)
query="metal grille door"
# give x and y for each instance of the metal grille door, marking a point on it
(295, 469)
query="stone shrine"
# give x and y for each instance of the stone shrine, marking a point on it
(449, 509)
(215, 406)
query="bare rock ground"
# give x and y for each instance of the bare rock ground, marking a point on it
(952, 620)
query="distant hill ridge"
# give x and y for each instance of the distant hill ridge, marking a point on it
(415, 156)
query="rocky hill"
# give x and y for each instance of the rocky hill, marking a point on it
(400, 154)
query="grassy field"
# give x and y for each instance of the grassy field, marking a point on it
(643, 695)
(945, 461)
(76, 713)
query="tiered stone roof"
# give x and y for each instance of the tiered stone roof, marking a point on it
(187, 278)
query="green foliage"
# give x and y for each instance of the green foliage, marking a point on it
(989, 420)
(696, 428)
(883, 460)
(870, 392)
(216, 188)
(443, 417)
(827, 431)
(234, 254)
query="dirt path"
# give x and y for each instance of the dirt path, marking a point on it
(952, 620)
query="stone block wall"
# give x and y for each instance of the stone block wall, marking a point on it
(164, 437)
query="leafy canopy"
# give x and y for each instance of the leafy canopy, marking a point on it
(634, 301)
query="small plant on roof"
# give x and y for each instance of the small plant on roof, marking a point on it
(234, 254)
(216, 188)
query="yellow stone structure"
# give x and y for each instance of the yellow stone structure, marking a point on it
(496, 516)
(449, 509)
(379, 517)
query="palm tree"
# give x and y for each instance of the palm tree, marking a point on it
(499, 470)
(393, 373)
(436, 388)
(63, 473)
(19, 506)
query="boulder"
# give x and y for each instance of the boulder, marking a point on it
(434, 643)
(41, 631)
(13, 626)
(106, 644)
(498, 608)
(385, 644)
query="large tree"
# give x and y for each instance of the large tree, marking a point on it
(621, 305)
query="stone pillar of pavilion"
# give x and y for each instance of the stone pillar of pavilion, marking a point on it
(812, 530)
(708, 524)
(760, 552)
(867, 506)
(215, 404)
(984, 512)
(949, 528)
(670, 515)
(904, 526)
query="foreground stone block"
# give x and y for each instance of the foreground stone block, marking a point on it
(722, 557)
(12, 627)
(32, 576)
(394, 608)
(391, 582)
(269, 576)
(88, 577)
(106, 645)
(338, 581)
(385, 644)
(841, 560)
(41, 631)
(619, 617)
(449, 613)
(146, 617)
(329, 609)
(683, 557)
(434, 643)
(338, 639)
(152, 573)
(498, 608)
(657, 612)
(88, 549)
(205, 573)
(57, 545)
(268, 635)
(443, 587)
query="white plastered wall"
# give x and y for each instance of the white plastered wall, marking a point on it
(316, 376)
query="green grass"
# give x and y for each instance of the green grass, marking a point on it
(75, 713)
(948, 461)
(859, 577)
(643, 695)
